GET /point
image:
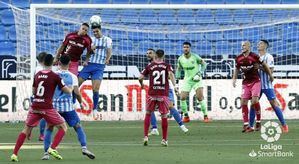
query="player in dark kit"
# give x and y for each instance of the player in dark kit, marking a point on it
(74, 45)
(251, 84)
(45, 82)
(158, 72)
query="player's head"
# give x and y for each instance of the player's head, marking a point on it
(186, 47)
(160, 54)
(262, 45)
(41, 57)
(64, 60)
(83, 29)
(246, 46)
(150, 54)
(48, 61)
(96, 30)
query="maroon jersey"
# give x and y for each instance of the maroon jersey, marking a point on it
(158, 78)
(245, 64)
(75, 45)
(45, 83)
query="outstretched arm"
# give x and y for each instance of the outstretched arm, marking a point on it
(235, 75)
(268, 71)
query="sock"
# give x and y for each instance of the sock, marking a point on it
(251, 117)
(58, 138)
(74, 97)
(279, 115)
(257, 107)
(184, 107)
(47, 140)
(176, 116)
(245, 114)
(203, 107)
(95, 98)
(81, 135)
(19, 143)
(42, 126)
(146, 124)
(164, 128)
(153, 121)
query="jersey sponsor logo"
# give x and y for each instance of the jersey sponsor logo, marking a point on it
(77, 44)
(189, 68)
(246, 68)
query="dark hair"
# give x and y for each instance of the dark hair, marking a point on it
(65, 59)
(41, 57)
(187, 43)
(266, 42)
(48, 61)
(97, 26)
(150, 49)
(160, 53)
(85, 24)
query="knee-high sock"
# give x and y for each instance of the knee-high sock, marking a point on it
(203, 107)
(164, 128)
(95, 98)
(184, 107)
(58, 138)
(153, 121)
(257, 108)
(176, 116)
(245, 114)
(19, 143)
(279, 114)
(146, 124)
(251, 117)
(42, 126)
(47, 140)
(81, 135)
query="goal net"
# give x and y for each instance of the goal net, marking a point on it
(215, 32)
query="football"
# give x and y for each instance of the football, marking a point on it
(95, 20)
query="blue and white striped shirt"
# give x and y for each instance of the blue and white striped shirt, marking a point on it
(102, 44)
(63, 102)
(265, 80)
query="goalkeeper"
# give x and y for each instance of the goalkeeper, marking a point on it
(193, 66)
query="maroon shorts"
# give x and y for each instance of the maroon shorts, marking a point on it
(162, 103)
(251, 90)
(74, 67)
(51, 116)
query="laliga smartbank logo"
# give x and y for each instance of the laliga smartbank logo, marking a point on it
(271, 132)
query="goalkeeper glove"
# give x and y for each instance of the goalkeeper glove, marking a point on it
(197, 77)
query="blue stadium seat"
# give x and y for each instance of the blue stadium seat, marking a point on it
(40, 1)
(130, 20)
(215, 1)
(7, 17)
(196, 1)
(234, 1)
(3, 36)
(159, 1)
(101, 1)
(60, 1)
(12, 33)
(140, 1)
(80, 1)
(176, 2)
(7, 48)
(289, 1)
(251, 34)
(233, 36)
(224, 17)
(205, 16)
(252, 1)
(214, 36)
(271, 1)
(20, 3)
(120, 1)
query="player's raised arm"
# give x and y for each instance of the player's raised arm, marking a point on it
(58, 53)
(268, 71)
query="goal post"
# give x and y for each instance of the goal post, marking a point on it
(215, 32)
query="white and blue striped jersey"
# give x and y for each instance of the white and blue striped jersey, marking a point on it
(265, 80)
(63, 102)
(100, 53)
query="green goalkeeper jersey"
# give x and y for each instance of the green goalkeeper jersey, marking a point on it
(191, 65)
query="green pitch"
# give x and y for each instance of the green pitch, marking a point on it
(121, 143)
